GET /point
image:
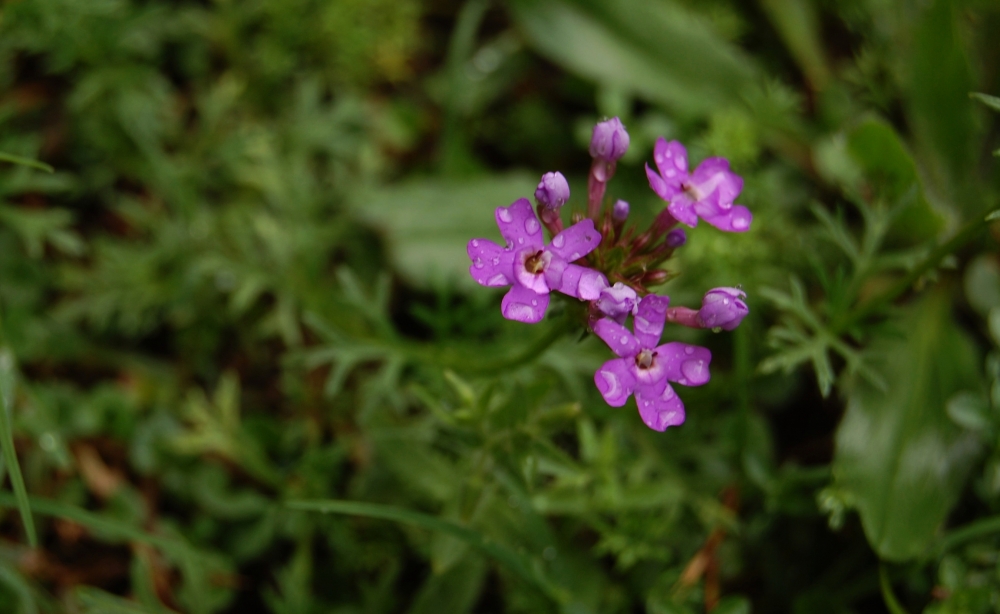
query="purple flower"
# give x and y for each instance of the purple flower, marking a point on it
(532, 268)
(552, 191)
(618, 302)
(609, 141)
(676, 238)
(645, 368)
(619, 212)
(723, 308)
(707, 193)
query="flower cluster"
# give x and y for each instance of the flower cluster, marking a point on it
(611, 268)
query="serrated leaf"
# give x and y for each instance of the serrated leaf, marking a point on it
(898, 455)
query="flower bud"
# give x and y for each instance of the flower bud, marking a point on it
(617, 302)
(552, 191)
(609, 141)
(723, 308)
(619, 212)
(676, 238)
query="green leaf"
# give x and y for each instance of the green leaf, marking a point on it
(430, 222)
(941, 81)
(95, 601)
(8, 382)
(898, 455)
(6, 157)
(797, 23)
(991, 101)
(515, 562)
(656, 50)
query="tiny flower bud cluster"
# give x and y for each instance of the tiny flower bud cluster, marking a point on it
(611, 267)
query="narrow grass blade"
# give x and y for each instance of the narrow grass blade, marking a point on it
(6, 157)
(8, 380)
(515, 562)
(96, 601)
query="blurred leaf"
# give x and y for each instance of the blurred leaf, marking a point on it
(6, 157)
(658, 50)
(898, 455)
(519, 564)
(982, 283)
(940, 85)
(96, 601)
(991, 101)
(429, 222)
(797, 23)
(8, 383)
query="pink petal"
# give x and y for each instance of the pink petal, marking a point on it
(685, 364)
(671, 161)
(492, 265)
(659, 409)
(614, 380)
(621, 342)
(736, 219)
(648, 322)
(576, 241)
(682, 208)
(582, 283)
(519, 226)
(523, 305)
(713, 175)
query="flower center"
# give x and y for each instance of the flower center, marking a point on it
(691, 191)
(534, 264)
(644, 359)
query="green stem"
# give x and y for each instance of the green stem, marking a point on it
(969, 532)
(466, 363)
(891, 603)
(877, 304)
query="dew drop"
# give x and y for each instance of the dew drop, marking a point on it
(504, 215)
(497, 280)
(531, 226)
(668, 393)
(689, 350)
(478, 262)
(475, 243)
(740, 222)
(725, 301)
(671, 172)
(496, 261)
(613, 386)
(588, 238)
(520, 240)
(558, 241)
(624, 340)
(575, 256)
(534, 302)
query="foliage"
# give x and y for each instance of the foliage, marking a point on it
(243, 367)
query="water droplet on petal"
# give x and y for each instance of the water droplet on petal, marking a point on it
(623, 340)
(588, 238)
(575, 256)
(531, 226)
(478, 262)
(534, 301)
(558, 241)
(497, 280)
(740, 222)
(505, 215)
(475, 243)
(668, 393)
(496, 261)
(614, 387)
(671, 172)
(520, 240)
(689, 350)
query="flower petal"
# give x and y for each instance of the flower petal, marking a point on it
(713, 175)
(523, 305)
(617, 337)
(659, 409)
(736, 219)
(685, 364)
(671, 160)
(682, 208)
(576, 241)
(492, 265)
(582, 283)
(614, 380)
(519, 226)
(648, 322)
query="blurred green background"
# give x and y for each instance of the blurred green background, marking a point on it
(243, 368)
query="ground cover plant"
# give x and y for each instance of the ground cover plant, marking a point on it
(246, 366)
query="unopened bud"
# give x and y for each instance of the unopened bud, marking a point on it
(552, 191)
(609, 141)
(676, 238)
(619, 212)
(657, 276)
(723, 308)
